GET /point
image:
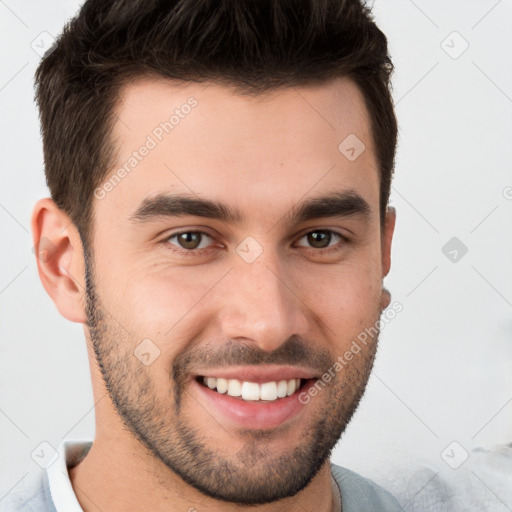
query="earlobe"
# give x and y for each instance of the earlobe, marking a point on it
(385, 299)
(59, 259)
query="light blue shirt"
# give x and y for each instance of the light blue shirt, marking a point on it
(50, 489)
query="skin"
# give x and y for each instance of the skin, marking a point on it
(263, 155)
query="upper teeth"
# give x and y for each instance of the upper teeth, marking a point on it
(252, 390)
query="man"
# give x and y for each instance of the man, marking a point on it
(220, 174)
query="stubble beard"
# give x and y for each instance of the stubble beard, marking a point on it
(252, 475)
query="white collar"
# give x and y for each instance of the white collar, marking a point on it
(70, 453)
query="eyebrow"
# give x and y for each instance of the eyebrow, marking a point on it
(337, 204)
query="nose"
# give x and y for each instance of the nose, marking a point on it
(261, 303)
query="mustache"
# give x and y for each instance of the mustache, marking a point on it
(294, 352)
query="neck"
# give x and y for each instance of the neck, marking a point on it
(117, 476)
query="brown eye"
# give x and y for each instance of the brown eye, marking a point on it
(319, 239)
(189, 240)
(322, 239)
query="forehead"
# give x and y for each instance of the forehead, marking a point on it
(208, 140)
(334, 108)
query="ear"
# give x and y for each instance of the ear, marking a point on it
(387, 236)
(59, 258)
(386, 239)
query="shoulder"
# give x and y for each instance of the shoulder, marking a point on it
(31, 494)
(360, 493)
(481, 481)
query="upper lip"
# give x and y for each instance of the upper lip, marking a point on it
(258, 374)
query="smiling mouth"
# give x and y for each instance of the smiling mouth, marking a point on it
(252, 391)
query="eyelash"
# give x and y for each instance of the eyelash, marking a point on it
(199, 252)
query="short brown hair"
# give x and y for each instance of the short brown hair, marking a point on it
(253, 45)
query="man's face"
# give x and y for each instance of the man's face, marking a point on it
(253, 300)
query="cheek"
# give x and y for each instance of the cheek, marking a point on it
(345, 297)
(159, 303)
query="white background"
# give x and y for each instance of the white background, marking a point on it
(444, 368)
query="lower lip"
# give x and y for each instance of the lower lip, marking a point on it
(254, 415)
